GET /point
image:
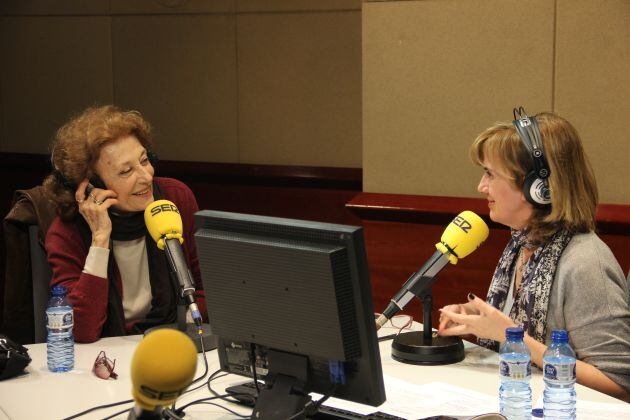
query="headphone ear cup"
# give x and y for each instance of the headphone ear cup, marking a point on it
(536, 190)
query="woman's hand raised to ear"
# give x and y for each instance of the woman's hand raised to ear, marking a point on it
(93, 207)
(479, 318)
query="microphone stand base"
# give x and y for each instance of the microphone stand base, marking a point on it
(210, 342)
(413, 348)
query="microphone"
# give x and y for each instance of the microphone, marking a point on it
(162, 367)
(164, 224)
(461, 237)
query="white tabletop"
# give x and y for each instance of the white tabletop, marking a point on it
(43, 394)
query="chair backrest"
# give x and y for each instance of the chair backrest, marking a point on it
(41, 275)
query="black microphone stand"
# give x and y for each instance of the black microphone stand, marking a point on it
(210, 341)
(426, 347)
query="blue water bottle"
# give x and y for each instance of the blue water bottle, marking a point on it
(59, 322)
(559, 375)
(515, 395)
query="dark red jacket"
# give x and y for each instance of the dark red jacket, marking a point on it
(67, 247)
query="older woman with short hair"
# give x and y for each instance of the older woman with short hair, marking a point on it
(99, 248)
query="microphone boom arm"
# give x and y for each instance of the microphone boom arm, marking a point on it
(177, 263)
(427, 274)
(415, 286)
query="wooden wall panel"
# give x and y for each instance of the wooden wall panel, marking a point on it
(51, 67)
(53, 8)
(592, 85)
(180, 72)
(297, 5)
(256, 81)
(435, 74)
(299, 100)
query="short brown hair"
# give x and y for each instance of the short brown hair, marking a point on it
(573, 187)
(77, 146)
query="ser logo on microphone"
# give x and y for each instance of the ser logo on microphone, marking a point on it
(160, 395)
(163, 208)
(462, 223)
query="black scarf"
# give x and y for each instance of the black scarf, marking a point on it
(164, 289)
(532, 299)
(127, 226)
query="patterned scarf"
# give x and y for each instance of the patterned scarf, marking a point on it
(532, 299)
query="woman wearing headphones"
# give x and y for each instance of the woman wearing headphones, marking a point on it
(555, 272)
(98, 247)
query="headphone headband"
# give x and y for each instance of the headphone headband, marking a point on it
(536, 185)
(528, 131)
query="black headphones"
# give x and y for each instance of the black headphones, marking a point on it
(536, 185)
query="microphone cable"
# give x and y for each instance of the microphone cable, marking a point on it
(208, 400)
(205, 371)
(252, 361)
(225, 397)
(99, 407)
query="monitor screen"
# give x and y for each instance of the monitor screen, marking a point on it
(291, 298)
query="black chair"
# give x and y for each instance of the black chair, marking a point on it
(42, 274)
(27, 272)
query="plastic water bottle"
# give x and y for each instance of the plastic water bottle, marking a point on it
(515, 395)
(559, 376)
(59, 322)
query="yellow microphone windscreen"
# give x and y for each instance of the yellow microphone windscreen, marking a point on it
(163, 222)
(463, 235)
(162, 367)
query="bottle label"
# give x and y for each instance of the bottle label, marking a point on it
(59, 319)
(559, 372)
(515, 369)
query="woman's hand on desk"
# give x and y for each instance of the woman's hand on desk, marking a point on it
(475, 317)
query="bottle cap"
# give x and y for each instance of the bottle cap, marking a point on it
(59, 291)
(560, 336)
(514, 333)
(537, 412)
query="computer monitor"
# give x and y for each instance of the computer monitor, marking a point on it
(292, 298)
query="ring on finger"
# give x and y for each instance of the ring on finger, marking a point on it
(97, 202)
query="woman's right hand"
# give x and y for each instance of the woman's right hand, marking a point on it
(93, 207)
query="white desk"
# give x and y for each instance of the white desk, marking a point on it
(42, 394)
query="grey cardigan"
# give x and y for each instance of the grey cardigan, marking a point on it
(590, 299)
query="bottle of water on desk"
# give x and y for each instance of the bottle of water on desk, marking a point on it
(559, 371)
(515, 395)
(59, 322)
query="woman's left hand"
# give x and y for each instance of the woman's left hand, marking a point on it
(490, 323)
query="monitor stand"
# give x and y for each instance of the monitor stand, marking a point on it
(284, 395)
(426, 347)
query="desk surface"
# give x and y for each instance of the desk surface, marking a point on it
(43, 394)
